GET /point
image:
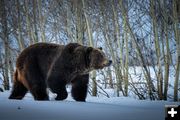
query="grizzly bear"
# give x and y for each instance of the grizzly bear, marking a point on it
(47, 65)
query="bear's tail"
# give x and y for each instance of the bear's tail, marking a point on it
(18, 90)
(15, 77)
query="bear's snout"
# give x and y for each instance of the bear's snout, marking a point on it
(107, 63)
(110, 62)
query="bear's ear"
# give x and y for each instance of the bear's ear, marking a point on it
(89, 50)
(100, 48)
(71, 46)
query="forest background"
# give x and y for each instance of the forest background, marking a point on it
(142, 37)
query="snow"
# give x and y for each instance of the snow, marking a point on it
(96, 108)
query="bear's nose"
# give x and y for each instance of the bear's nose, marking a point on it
(110, 62)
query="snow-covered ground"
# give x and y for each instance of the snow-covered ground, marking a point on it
(96, 108)
(115, 108)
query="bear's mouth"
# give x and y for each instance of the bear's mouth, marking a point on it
(99, 67)
(107, 63)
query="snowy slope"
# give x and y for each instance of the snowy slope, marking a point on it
(94, 109)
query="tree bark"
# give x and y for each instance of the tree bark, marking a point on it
(157, 48)
(20, 40)
(177, 38)
(35, 35)
(5, 37)
(167, 51)
(79, 21)
(150, 84)
(41, 19)
(89, 31)
(29, 31)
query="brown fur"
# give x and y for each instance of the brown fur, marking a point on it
(45, 65)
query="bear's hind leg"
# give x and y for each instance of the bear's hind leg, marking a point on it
(80, 87)
(39, 92)
(36, 82)
(19, 91)
(37, 86)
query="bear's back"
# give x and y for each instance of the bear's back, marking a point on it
(41, 52)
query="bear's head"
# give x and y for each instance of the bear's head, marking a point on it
(84, 59)
(96, 58)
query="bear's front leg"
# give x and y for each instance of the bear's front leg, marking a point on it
(58, 86)
(61, 93)
(80, 87)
